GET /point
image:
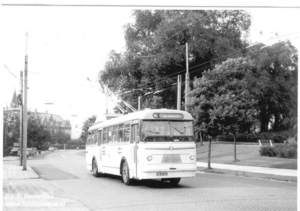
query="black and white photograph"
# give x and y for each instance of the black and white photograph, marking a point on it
(149, 105)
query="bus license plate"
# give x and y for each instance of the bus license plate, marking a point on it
(162, 174)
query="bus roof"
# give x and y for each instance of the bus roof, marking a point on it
(145, 114)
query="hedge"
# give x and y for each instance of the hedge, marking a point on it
(280, 150)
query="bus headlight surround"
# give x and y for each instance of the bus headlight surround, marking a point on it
(149, 158)
(192, 157)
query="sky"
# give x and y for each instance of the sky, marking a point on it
(68, 46)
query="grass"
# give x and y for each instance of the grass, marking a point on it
(247, 155)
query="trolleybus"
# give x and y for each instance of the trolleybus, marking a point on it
(148, 144)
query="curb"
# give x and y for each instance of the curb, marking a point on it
(247, 174)
(252, 169)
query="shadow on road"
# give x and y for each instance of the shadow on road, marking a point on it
(151, 183)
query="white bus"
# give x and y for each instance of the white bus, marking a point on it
(148, 144)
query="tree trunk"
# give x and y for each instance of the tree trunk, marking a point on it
(264, 120)
(209, 153)
(234, 139)
(276, 122)
(201, 139)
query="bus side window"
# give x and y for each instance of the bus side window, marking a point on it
(109, 134)
(95, 138)
(88, 142)
(121, 133)
(99, 137)
(104, 135)
(92, 138)
(127, 132)
(115, 134)
(134, 133)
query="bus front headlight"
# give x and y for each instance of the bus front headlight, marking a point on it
(192, 157)
(149, 158)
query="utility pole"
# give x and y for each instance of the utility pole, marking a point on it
(187, 79)
(4, 134)
(25, 112)
(179, 93)
(21, 119)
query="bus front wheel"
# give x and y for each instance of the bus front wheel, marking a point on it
(174, 181)
(125, 174)
(95, 168)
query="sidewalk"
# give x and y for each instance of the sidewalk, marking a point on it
(25, 190)
(284, 175)
(252, 169)
(11, 172)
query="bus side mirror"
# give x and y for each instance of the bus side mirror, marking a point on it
(137, 139)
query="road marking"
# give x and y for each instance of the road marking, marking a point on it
(200, 172)
(63, 156)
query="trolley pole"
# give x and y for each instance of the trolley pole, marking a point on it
(21, 119)
(187, 80)
(25, 112)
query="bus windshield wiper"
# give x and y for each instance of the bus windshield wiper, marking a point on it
(178, 130)
(152, 131)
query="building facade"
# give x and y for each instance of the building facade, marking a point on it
(54, 123)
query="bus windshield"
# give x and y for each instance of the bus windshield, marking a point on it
(167, 131)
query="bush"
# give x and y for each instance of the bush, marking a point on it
(278, 139)
(291, 152)
(286, 150)
(281, 150)
(267, 151)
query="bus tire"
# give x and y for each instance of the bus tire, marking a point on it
(174, 181)
(95, 168)
(125, 174)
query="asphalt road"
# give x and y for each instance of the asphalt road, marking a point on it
(208, 191)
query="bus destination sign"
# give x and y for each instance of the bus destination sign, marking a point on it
(168, 116)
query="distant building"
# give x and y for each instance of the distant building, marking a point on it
(14, 101)
(54, 123)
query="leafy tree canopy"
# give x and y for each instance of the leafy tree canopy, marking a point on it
(36, 134)
(274, 84)
(155, 52)
(86, 125)
(221, 101)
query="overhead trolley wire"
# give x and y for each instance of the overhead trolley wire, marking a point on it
(10, 72)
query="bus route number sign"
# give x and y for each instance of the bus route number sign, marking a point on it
(162, 174)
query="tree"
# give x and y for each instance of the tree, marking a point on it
(86, 125)
(37, 134)
(61, 137)
(11, 129)
(161, 35)
(274, 84)
(221, 101)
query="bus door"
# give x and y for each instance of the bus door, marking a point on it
(134, 147)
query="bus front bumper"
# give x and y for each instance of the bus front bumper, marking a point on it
(163, 171)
